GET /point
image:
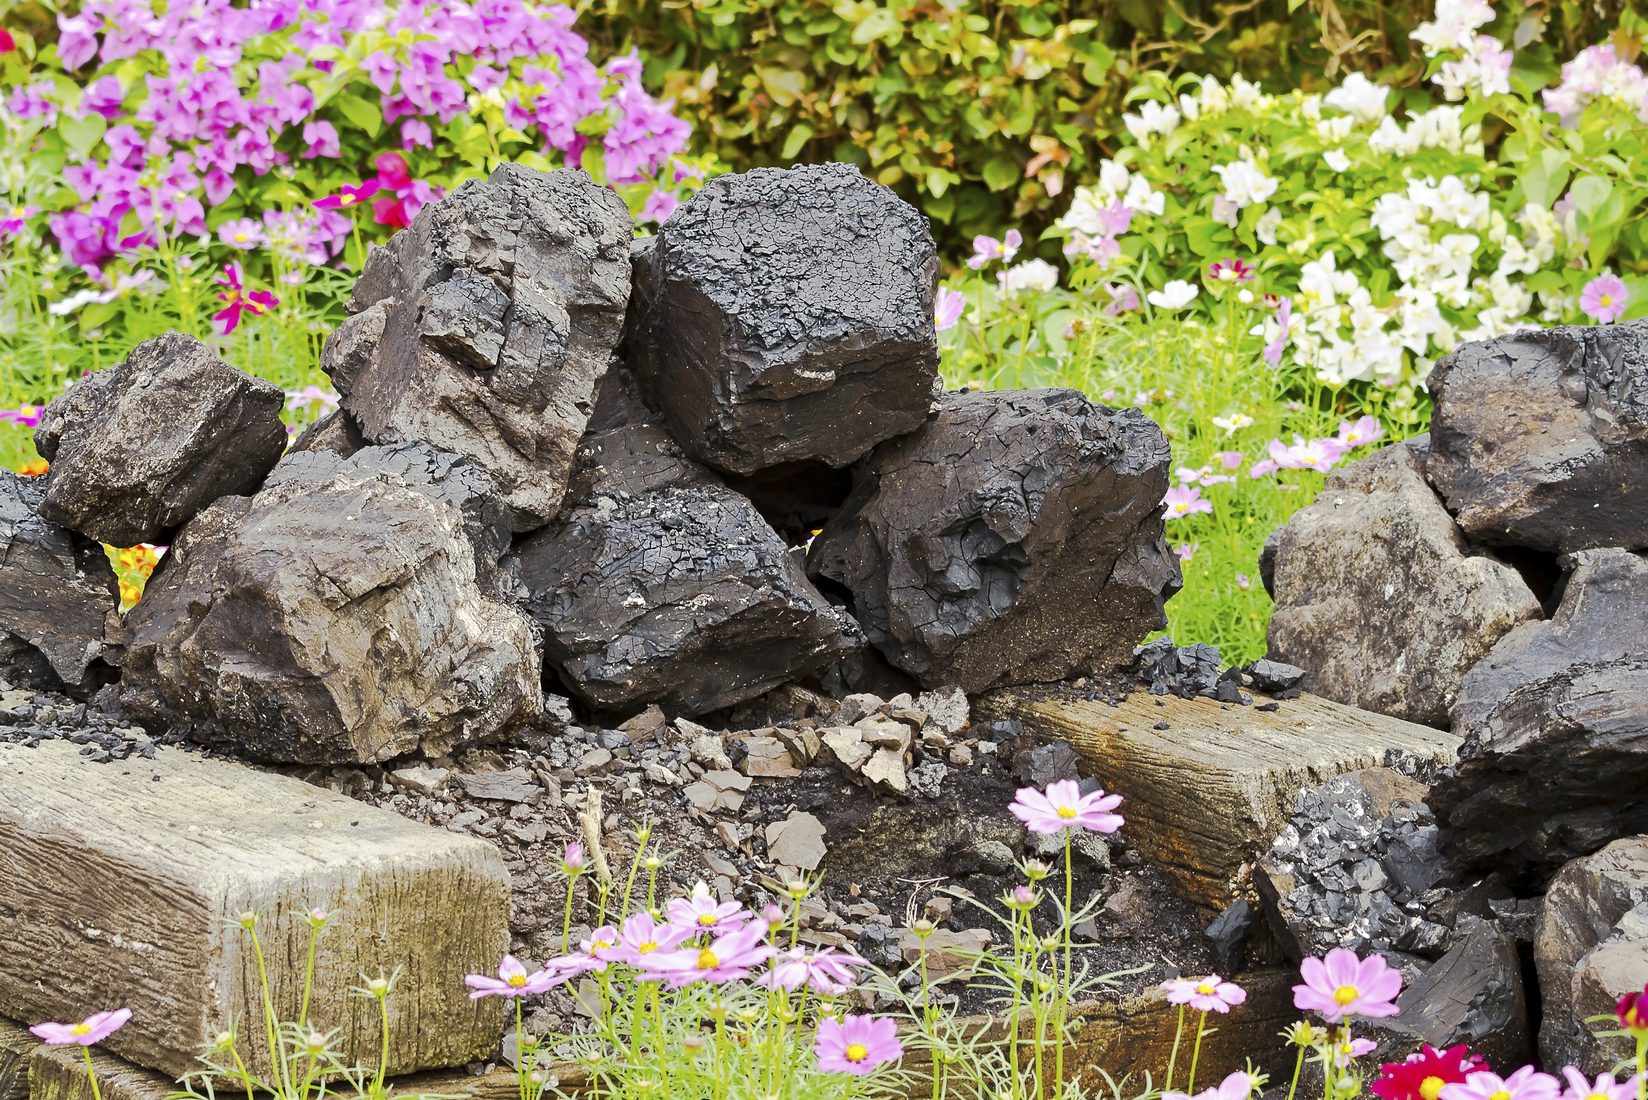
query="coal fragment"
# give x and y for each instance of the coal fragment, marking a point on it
(1274, 676)
(137, 450)
(1228, 935)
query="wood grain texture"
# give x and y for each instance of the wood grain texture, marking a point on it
(16, 1044)
(1209, 793)
(120, 884)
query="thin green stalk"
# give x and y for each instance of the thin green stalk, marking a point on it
(1298, 1068)
(1061, 989)
(308, 976)
(1173, 1056)
(383, 1044)
(91, 1074)
(271, 1027)
(1196, 1051)
(566, 920)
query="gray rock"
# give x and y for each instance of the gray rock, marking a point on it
(58, 597)
(514, 785)
(1583, 928)
(484, 328)
(797, 841)
(335, 432)
(656, 584)
(343, 615)
(1017, 537)
(1540, 439)
(137, 450)
(787, 315)
(1472, 995)
(1379, 597)
(1554, 762)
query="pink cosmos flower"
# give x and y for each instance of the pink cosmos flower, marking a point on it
(1230, 460)
(513, 980)
(239, 301)
(1209, 994)
(1526, 1083)
(1261, 468)
(729, 958)
(598, 948)
(1233, 270)
(987, 249)
(1603, 1088)
(242, 233)
(948, 308)
(1237, 1086)
(857, 1045)
(348, 196)
(825, 971)
(1063, 806)
(1366, 430)
(1284, 317)
(1185, 551)
(640, 936)
(659, 206)
(14, 221)
(1185, 500)
(1344, 1053)
(1342, 985)
(1604, 298)
(310, 396)
(1317, 454)
(26, 416)
(88, 1032)
(572, 861)
(1632, 1012)
(1422, 1075)
(1123, 299)
(703, 912)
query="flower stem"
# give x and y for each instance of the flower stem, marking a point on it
(1196, 1051)
(1298, 1068)
(1061, 988)
(91, 1074)
(1173, 1056)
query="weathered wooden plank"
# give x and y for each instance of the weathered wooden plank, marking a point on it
(1210, 791)
(120, 884)
(16, 1044)
(59, 1073)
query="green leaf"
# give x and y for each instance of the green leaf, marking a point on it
(800, 134)
(1002, 172)
(1546, 176)
(1590, 193)
(785, 86)
(365, 116)
(82, 134)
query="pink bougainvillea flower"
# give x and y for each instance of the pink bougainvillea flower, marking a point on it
(1230, 271)
(348, 196)
(1062, 806)
(1209, 994)
(825, 971)
(857, 1044)
(239, 300)
(1366, 430)
(88, 1032)
(1604, 298)
(1632, 1012)
(640, 936)
(729, 958)
(1342, 985)
(1604, 1087)
(702, 911)
(1185, 500)
(1526, 1083)
(513, 980)
(1284, 317)
(1424, 1074)
(988, 249)
(947, 308)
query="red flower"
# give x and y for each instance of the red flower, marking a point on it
(7, 42)
(1424, 1074)
(1632, 1011)
(348, 196)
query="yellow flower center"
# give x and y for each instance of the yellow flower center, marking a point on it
(1206, 987)
(1502, 1094)
(1067, 812)
(1431, 1087)
(80, 1029)
(241, 238)
(1345, 994)
(599, 945)
(650, 945)
(1597, 1096)
(1607, 299)
(516, 981)
(708, 920)
(857, 1053)
(707, 960)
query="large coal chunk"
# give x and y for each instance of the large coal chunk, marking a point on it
(484, 328)
(1380, 599)
(1016, 537)
(1540, 439)
(1554, 762)
(346, 614)
(58, 597)
(137, 450)
(787, 315)
(657, 584)
(1592, 946)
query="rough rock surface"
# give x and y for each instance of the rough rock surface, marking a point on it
(1554, 762)
(335, 432)
(58, 596)
(1473, 994)
(1589, 939)
(1016, 537)
(346, 613)
(786, 315)
(139, 449)
(1380, 599)
(1540, 439)
(656, 584)
(484, 328)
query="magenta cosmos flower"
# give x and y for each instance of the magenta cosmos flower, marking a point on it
(1526, 1083)
(727, 959)
(1604, 298)
(93, 1029)
(1209, 994)
(513, 980)
(239, 300)
(703, 912)
(1605, 1087)
(826, 971)
(1063, 806)
(641, 936)
(1632, 1011)
(1230, 271)
(857, 1045)
(348, 196)
(1342, 985)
